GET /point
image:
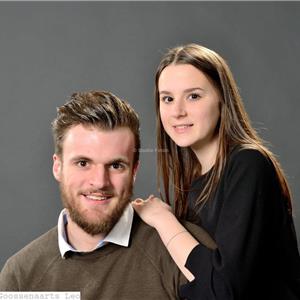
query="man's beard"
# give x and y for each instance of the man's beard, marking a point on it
(105, 223)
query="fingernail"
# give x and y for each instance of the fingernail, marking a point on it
(138, 201)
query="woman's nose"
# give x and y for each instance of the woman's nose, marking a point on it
(178, 109)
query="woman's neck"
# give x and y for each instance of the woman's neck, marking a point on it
(207, 154)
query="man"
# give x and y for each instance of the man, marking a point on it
(99, 246)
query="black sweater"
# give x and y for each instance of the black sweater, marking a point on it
(257, 255)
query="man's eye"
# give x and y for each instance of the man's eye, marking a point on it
(82, 163)
(117, 166)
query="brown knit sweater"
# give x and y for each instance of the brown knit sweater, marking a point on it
(144, 271)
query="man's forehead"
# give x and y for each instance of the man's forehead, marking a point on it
(82, 140)
(80, 131)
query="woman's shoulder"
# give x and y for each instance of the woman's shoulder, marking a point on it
(252, 160)
(244, 155)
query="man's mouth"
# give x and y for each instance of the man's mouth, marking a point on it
(98, 197)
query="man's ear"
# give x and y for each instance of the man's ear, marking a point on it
(135, 169)
(57, 167)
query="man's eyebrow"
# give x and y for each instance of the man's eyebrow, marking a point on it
(122, 160)
(80, 157)
(119, 160)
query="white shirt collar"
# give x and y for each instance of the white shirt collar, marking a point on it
(119, 234)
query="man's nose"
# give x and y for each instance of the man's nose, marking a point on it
(99, 177)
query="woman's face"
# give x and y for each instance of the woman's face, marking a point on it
(189, 106)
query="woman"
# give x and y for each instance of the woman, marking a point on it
(222, 177)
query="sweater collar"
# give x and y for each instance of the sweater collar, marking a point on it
(119, 234)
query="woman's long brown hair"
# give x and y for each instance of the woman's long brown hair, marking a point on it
(178, 166)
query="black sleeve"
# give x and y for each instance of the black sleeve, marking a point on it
(250, 205)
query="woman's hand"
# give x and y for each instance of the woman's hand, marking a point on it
(152, 210)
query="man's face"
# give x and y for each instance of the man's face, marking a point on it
(96, 175)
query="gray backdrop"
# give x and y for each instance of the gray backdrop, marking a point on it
(49, 50)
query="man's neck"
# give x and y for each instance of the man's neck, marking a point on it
(79, 239)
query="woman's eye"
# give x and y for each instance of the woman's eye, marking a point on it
(194, 96)
(167, 99)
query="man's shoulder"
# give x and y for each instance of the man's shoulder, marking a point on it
(45, 245)
(147, 247)
(23, 269)
(142, 233)
(146, 243)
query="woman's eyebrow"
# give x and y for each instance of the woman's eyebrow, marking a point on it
(185, 91)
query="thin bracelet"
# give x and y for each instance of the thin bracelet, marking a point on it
(170, 240)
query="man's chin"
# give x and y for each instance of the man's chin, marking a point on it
(95, 229)
(93, 226)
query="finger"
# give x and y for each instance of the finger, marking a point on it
(150, 197)
(138, 201)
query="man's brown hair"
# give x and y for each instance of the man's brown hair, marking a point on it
(101, 109)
